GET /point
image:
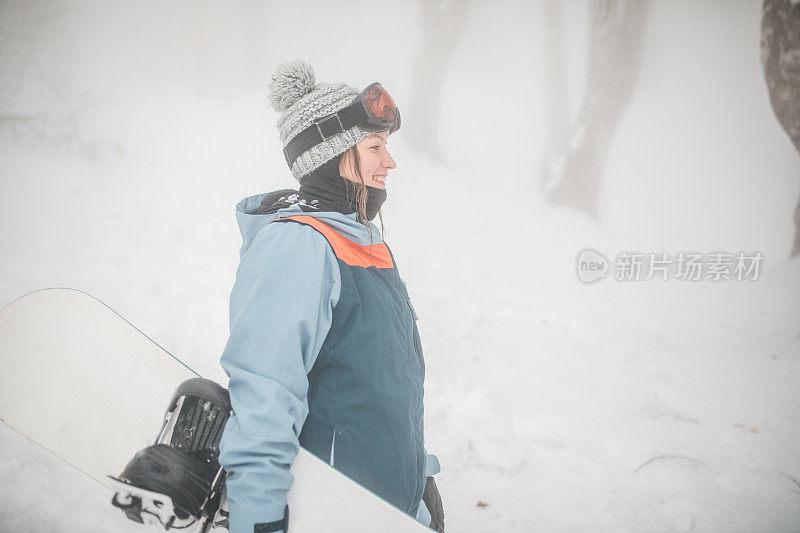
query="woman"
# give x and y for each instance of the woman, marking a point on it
(324, 350)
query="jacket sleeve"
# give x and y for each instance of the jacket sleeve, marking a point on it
(281, 306)
(432, 468)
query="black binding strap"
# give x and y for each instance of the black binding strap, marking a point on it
(325, 128)
(272, 527)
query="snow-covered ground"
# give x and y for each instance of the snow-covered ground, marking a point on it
(649, 406)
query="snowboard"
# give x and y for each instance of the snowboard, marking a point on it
(88, 386)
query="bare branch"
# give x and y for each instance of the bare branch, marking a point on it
(660, 457)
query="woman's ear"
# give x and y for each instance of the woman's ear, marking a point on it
(347, 164)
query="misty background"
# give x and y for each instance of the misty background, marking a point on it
(531, 130)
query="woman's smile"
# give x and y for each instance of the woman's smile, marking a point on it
(381, 178)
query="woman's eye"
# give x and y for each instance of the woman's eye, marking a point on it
(374, 146)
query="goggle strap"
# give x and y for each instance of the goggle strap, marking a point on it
(324, 128)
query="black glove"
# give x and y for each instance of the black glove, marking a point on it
(434, 504)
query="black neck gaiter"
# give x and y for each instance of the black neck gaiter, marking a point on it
(326, 185)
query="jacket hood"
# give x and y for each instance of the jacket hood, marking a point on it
(250, 222)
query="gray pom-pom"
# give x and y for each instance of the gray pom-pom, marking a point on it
(290, 82)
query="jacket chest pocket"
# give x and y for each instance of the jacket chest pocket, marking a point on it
(411, 308)
(415, 339)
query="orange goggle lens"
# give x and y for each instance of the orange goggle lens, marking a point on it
(379, 103)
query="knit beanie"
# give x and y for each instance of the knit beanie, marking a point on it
(296, 95)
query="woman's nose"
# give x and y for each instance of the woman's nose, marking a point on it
(388, 162)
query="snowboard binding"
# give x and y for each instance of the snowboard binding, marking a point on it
(177, 482)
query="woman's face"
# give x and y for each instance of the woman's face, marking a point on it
(374, 158)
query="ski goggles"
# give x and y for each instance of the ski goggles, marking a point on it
(373, 109)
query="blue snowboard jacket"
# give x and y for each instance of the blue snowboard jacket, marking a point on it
(323, 352)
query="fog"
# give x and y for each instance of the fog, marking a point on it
(531, 130)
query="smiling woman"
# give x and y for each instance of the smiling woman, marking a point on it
(324, 350)
(368, 161)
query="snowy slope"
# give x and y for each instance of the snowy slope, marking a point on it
(642, 406)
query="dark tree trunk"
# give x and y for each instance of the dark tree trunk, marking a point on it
(780, 57)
